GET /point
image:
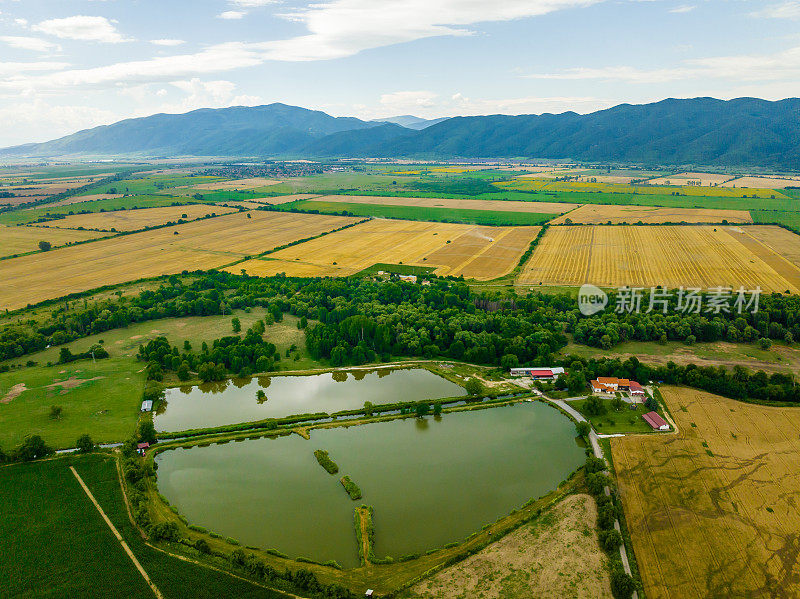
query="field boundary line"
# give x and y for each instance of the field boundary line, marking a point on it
(116, 534)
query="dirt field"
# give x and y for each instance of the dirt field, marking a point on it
(479, 252)
(134, 220)
(499, 205)
(251, 183)
(705, 179)
(41, 188)
(203, 244)
(712, 510)
(555, 556)
(18, 240)
(764, 182)
(595, 214)
(671, 256)
(287, 198)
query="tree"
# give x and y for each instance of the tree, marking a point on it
(32, 448)
(594, 406)
(473, 386)
(582, 428)
(183, 371)
(236, 324)
(261, 397)
(147, 432)
(421, 409)
(202, 546)
(56, 412)
(651, 404)
(45, 246)
(368, 408)
(617, 402)
(622, 585)
(509, 361)
(437, 408)
(764, 343)
(610, 540)
(187, 346)
(85, 444)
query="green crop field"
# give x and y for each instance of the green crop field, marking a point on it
(63, 548)
(478, 217)
(782, 217)
(17, 217)
(152, 184)
(100, 398)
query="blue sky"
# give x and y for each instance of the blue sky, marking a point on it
(68, 65)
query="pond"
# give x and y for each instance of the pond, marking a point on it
(231, 402)
(431, 481)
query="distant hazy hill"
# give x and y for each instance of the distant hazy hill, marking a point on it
(410, 121)
(701, 131)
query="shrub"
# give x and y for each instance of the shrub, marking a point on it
(325, 461)
(610, 540)
(351, 488)
(85, 444)
(622, 585)
(164, 531)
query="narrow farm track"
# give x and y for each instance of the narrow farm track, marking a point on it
(114, 530)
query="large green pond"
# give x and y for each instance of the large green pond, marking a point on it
(231, 402)
(431, 481)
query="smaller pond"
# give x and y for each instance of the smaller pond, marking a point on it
(235, 401)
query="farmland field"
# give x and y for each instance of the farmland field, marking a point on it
(712, 510)
(202, 244)
(764, 182)
(671, 256)
(252, 183)
(784, 242)
(595, 214)
(686, 190)
(499, 205)
(63, 548)
(705, 179)
(19, 240)
(453, 249)
(133, 220)
(424, 213)
(555, 556)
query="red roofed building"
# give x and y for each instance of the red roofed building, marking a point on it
(656, 421)
(141, 447)
(636, 388)
(601, 388)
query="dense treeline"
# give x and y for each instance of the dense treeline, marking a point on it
(738, 383)
(359, 320)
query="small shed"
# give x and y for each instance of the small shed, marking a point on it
(369, 593)
(147, 405)
(655, 421)
(636, 389)
(142, 447)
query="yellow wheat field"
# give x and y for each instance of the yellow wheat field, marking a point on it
(18, 240)
(198, 245)
(479, 252)
(720, 191)
(595, 214)
(134, 220)
(495, 205)
(713, 510)
(671, 256)
(705, 179)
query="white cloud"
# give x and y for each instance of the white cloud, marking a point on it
(38, 120)
(682, 9)
(167, 42)
(206, 94)
(252, 3)
(82, 27)
(754, 67)
(787, 10)
(16, 69)
(29, 43)
(231, 15)
(429, 104)
(21, 22)
(341, 28)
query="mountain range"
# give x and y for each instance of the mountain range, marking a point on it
(697, 131)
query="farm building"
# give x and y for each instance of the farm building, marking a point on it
(142, 447)
(655, 421)
(599, 388)
(636, 389)
(147, 405)
(537, 373)
(614, 383)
